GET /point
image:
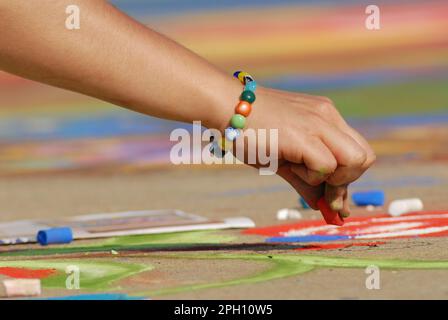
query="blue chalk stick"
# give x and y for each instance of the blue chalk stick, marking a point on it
(99, 296)
(55, 235)
(303, 203)
(310, 238)
(365, 198)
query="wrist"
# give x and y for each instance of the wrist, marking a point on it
(233, 127)
(223, 104)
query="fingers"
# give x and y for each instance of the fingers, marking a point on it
(356, 157)
(310, 193)
(371, 157)
(313, 178)
(311, 160)
(350, 155)
(325, 155)
(345, 212)
(334, 195)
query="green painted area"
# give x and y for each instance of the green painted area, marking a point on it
(286, 265)
(100, 274)
(195, 237)
(180, 240)
(280, 268)
(392, 99)
(94, 275)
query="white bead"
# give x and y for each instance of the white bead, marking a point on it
(231, 133)
(402, 206)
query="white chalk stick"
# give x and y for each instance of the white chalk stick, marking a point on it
(287, 213)
(402, 206)
(21, 287)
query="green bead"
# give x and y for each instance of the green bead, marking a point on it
(238, 121)
(248, 96)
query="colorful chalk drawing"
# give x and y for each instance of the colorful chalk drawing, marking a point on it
(102, 272)
(422, 224)
(286, 265)
(100, 275)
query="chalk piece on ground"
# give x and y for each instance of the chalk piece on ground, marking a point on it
(21, 288)
(330, 216)
(55, 235)
(294, 214)
(365, 198)
(287, 213)
(303, 203)
(402, 206)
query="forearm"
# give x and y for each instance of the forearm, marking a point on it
(113, 58)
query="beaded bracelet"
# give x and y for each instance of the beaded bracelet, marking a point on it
(238, 120)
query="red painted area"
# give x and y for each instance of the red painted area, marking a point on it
(333, 246)
(24, 273)
(419, 224)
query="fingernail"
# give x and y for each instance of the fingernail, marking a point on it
(337, 204)
(344, 214)
(316, 177)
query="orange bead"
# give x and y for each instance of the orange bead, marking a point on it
(243, 108)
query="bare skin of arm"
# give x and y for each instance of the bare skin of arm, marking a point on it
(115, 58)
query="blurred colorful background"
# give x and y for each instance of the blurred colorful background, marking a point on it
(391, 84)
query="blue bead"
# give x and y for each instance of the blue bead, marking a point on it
(372, 197)
(303, 203)
(231, 133)
(251, 86)
(236, 73)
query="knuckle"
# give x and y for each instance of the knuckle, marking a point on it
(357, 158)
(371, 158)
(330, 167)
(325, 108)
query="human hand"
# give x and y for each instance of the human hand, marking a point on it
(318, 152)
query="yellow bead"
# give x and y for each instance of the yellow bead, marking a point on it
(225, 144)
(241, 76)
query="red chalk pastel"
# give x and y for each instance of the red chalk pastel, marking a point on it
(330, 216)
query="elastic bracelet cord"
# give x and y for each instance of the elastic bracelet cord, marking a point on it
(238, 120)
